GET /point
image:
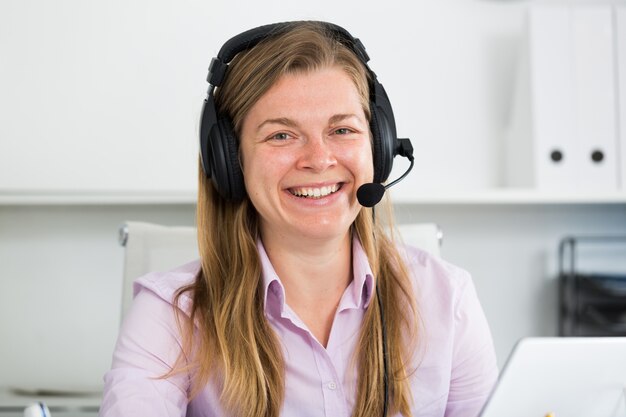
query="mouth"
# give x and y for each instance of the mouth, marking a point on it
(315, 192)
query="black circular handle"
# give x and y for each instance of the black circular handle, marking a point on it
(556, 155)
(597, 156)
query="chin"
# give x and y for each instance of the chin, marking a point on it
(324, 228)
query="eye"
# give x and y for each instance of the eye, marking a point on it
(342, 131)
(280, 136)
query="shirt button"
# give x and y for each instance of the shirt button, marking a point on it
(332, 385)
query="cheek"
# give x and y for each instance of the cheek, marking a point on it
(369, 165)
(262, 171)
(248, 169)
(363, 162)
(253, 177)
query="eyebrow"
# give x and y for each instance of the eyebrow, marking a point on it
(291, 123)
(280, 121)
(341, 117)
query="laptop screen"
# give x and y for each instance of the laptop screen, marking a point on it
(562, 377)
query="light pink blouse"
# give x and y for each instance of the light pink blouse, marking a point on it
(456, 364)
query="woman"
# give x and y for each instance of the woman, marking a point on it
(301, 305)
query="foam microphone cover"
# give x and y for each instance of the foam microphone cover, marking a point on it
(370, 194)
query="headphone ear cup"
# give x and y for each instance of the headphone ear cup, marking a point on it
(227, 176)
(206, 126)
(382, 143)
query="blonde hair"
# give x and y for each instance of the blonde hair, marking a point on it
(236, 347)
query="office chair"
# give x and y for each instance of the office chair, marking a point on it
(153, 247)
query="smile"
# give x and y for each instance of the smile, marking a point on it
(307, 192)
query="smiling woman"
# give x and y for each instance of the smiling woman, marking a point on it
(301, 304)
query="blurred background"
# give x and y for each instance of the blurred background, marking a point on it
(516, 111)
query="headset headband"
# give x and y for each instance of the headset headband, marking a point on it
(250, 38)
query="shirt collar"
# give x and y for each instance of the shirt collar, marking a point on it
(273, 290)
(357, 295)
(362, 285)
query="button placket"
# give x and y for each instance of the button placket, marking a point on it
(334, 401)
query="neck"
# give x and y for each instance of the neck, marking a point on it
(314, 274)
(313, 265)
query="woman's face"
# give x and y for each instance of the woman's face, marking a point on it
(305, 150)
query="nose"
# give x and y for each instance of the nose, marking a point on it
(317, 155)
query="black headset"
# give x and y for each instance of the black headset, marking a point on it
(219, 146)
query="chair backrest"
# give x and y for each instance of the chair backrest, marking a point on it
(426, 236)
(153, 247)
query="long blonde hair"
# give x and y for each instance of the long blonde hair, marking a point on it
(236, 347)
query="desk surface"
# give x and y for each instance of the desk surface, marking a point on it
(12, 404)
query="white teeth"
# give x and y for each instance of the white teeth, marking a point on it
(314, 192)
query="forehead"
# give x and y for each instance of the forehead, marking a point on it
(327, 90)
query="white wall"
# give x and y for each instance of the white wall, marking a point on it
(511, 252)
(61, 289)
(105, 96)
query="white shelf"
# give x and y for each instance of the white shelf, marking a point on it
(509, 196)
(501, 196)
(96, 198)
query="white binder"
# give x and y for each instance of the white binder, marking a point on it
(571, 139)
(595, 102)
(555, 154)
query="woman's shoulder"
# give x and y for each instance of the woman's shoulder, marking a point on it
(165, 284)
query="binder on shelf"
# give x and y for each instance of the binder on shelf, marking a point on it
(595, 111)
(552, 97)
(563, 133)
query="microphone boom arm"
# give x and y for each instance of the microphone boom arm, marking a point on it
(405, 148)
(403, 175)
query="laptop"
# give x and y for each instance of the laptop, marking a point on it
(562, 377)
